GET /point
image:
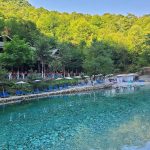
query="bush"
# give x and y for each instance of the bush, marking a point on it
(12, 87)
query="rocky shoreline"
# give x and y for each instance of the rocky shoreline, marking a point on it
(71, 90)
(16, 99)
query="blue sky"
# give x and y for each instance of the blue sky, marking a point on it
(137, 7)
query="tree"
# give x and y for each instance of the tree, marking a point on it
(144, 56)
(47, 22)
(3, 73)
(16, 54)
(121, 57)
(55, 65)
(98, 59)
(24, 29)
(124, 35)
(70, 56)
(82, 30)
(1, 24)
(44, 48)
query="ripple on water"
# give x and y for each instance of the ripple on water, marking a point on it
(98, 120)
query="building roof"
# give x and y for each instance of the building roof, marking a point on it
(55, 53)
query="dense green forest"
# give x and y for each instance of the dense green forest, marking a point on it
(90, 43)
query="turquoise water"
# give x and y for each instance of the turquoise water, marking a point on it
(100, 120)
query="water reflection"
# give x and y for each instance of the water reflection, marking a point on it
(111, 119)
(121, 90)
(145, 147)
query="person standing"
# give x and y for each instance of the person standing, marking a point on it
(10, 75)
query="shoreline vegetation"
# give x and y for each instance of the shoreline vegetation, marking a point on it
(38, 47)
(71, 90)
(16, 99)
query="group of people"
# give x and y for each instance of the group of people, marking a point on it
(17, 75)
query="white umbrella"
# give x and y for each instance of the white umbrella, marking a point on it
(59, 78)
(78, 77)
(109, 75)
(37, 80)
(86, 76)
(98, 75)
(21, 82)
(68, 78)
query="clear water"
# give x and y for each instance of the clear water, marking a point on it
(101, 120)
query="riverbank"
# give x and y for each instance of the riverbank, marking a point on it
(126, 84)
(71, 90)
(16, 99)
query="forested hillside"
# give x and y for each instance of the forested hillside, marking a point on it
(89, 43)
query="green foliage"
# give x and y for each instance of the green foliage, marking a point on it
(24, 87)
(71, 56)
(144, 56)
(2, 23)
(3, 73)
(55, 65)
(24, 29)
(33, 76)
(64, 81)
(121, 57)
(127, 39)
(98, 59)
(16, 53)
(43, 50)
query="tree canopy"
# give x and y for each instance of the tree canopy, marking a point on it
(16, 53)
(92, 43)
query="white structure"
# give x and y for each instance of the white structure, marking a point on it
(126, 77)
(55, 53)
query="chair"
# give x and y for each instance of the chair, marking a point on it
(46, 90)
(81, 84)
(66, 86)
(4, 94)
(60, 87)
(99, 81)
(18, 93)
(141, 80)
(56, 88)
(50, 89)
(25, 93)
(36, 91)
